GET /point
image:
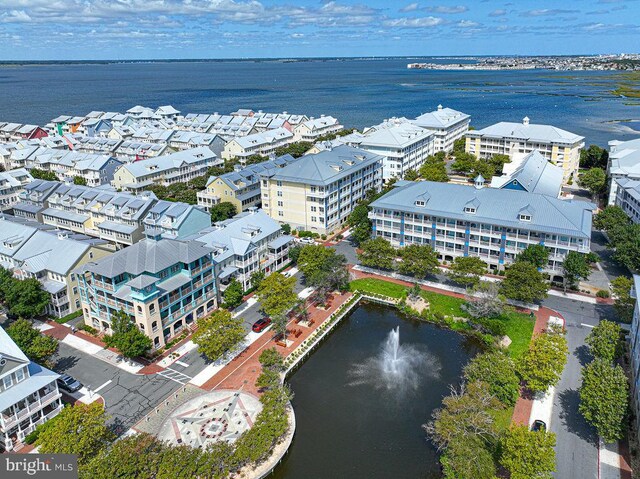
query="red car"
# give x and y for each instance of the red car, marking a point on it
(261, 324)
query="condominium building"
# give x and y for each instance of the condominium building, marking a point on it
(319, 191)
(29, 395)
(532, 173)
(164, 285)
(12, 183)
(403, 145)
(240, 187)
(628, 197)
(624, 162)
(447, 124)
(165, 170)
(245, 244)
(264, 143)
(634, 343)
(314, 128)
(560, 147)
(491, 224)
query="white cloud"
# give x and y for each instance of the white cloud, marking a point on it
(412, 7)
(448, 9)
(419, 22)
(467, 24)
(15, 16)
(498, 13)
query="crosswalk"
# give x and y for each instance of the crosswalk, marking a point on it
(175, 376)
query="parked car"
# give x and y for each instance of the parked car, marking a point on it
(260, 325)
(539, 425)
(306, 240)
(69, 383)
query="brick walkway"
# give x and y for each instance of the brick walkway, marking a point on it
(244, 369)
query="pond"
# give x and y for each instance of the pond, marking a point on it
(361, 398)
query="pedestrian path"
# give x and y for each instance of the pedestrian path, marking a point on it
(175, 376)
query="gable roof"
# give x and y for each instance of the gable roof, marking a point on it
(535, 174)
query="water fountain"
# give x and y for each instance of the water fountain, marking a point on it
(398, 368)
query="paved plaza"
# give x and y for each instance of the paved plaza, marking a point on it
(220, 415)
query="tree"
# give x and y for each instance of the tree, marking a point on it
(498, 161)
(523, 282)
(542, 364)
(256, 278)
(361, 233)
(594, 157)
(464, 163)
(410, 175)
(499, 371)
(233, 294)
(323, 268)
(594, 180)
(418, 260)
(39, 174)
(610, 218)
(38, 347)
(527, 454)
(434, 169)
(623, 302)
(377, 253)
(536, 254)
(218, 333)
(26, 298)
(487, 302)
(575, 268)
(626, 241)
(604, 341)
(294, 253)
(223, 211)
(467, 458)
(296, 149)
(79, 429)
(277, 297)
(459, 146)
(286, 228)
(126, 336)
(79, 180)
(6, 281)
(271, 359)
(360, 224)
(603, 398)
(467, 270)
(465, 413)
(268, 379)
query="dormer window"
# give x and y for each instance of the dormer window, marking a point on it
(525, 217)
(470, 209)
(420, 203)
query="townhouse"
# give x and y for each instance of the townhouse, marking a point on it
(560, 147)
(491, 224)
(240, 187)
(624, 162)
(165, 170)
(403, 145)
(319, 191)
(447, 124)
(173, 220)
(12, 183)
(314, 128)
(264, 143)
(184, 140)
(245, 244)
(164, 285)
(532, 173)
(130, 150)
(29, 395)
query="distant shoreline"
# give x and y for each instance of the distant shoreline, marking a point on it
(9, 63)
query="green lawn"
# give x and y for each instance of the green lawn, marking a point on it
(519, 326)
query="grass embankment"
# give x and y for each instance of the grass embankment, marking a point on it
(519, 327)
(628, 86)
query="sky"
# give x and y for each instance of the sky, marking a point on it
(161, 29)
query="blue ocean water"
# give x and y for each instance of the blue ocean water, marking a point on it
(358, 92)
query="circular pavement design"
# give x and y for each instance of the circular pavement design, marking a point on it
(216, 416)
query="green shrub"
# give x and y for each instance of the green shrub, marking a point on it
(88, 329)
(68, 317)
(603, 293)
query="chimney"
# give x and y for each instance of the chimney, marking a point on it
(525, 121)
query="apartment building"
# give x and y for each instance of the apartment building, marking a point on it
(165, 285)
(12, 183)
(624, 162)
(173, 220)
(628, 197)
(165, 170)
(491, 224)
(264, 143)
(245, 244)
(240, 187)
(531, 173)
(634, 343)
(314, 128)
(447, 124)
(29, 395)
(560, 147)
(319, 191)
(403, 145)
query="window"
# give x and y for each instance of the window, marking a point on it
(19, 375)
(280, 203)
(420, 203)
(280, 213)
(7, 382)
(525, 217)
(280, 194)
(469, 209)
(139, 309)
(152, 308)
